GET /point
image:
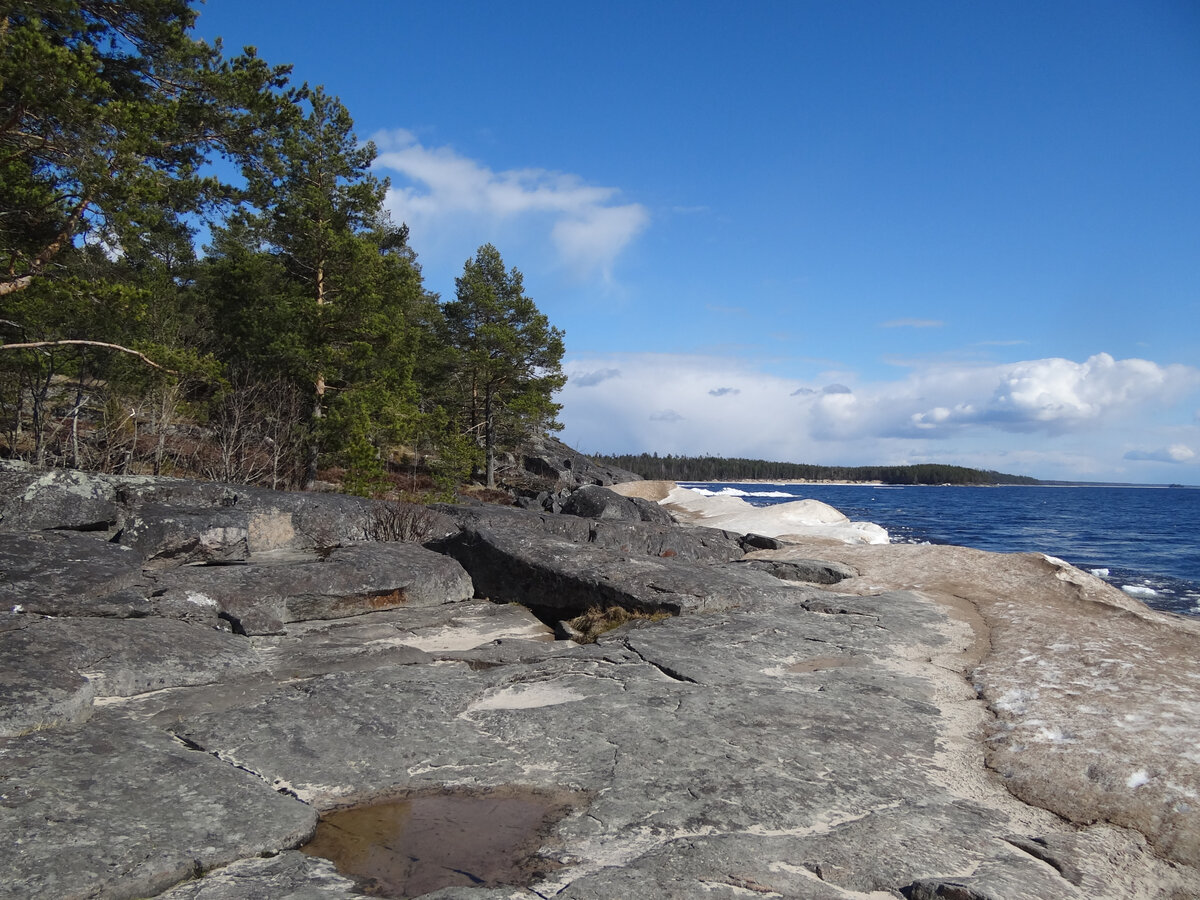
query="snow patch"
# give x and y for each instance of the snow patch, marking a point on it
(1137, 779)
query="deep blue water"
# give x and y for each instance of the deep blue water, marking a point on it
(1141, 539)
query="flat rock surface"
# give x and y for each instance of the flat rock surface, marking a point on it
(271, 589)
(1095, 698)
(697, 543)
(110, 809)
(65, 573)
(937, 723)
(549, 573)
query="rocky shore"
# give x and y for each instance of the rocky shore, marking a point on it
(194, 677)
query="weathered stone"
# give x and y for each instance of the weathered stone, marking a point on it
(258, 598)
(775, 739)
(32, 499)
(550, 574)
(166, 536)
(286, 876)
(550, 459)
(66, 573)
(1087, 685)
(595, 502)
(38, 689)
(644, 538)
(811, 571)
(113, 810)
(723, 754)
(52, 669)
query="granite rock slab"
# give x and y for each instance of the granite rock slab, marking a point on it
(695, 543)
(114, 810)
(552, 574)
(68, 573)
(273, 589)
(286, 876)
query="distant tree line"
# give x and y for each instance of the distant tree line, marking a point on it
(717, 468)
(299, 340)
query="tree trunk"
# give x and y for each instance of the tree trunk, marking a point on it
(314, 449)
(489, 438)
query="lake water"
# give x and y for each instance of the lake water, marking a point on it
(1140, 539)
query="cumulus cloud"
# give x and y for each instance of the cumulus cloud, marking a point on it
(1082, 412)
(1176, 453)
(1050, 395)
(436, 188)
(723, 392)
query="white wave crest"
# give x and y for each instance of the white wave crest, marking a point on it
(738, 492)
(1099, 573)
(1139, 590)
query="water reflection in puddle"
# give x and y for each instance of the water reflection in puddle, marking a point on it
(418, 844)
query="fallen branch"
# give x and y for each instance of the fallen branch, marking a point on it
(33, 345)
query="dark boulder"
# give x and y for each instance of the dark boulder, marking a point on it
(167, 536)
(595, 502)
(550, 574)
(550, 460)
(259, 598)
(809, 571)
(33, 499)
(66, 573)
(644, 538)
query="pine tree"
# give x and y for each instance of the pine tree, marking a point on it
(508, 359)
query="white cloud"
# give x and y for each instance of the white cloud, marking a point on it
(437, 191)
(1071, 419)
(1176, 453)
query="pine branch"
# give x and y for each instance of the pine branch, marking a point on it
(33, 345)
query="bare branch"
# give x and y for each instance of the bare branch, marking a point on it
(33, 345)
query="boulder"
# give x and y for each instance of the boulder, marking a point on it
(168, 536)
(550, 460)
(273, 589)
(549, 574)
(67, 573)
(642, 538)
(595, 502)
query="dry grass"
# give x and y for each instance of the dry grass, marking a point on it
(597, 621)
(399, 520)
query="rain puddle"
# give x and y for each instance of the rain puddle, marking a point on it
(423, 842)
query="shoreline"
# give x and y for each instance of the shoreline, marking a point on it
(1045, 484)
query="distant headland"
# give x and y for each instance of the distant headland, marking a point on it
(653, 467)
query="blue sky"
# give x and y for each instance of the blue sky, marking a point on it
(837, 232)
